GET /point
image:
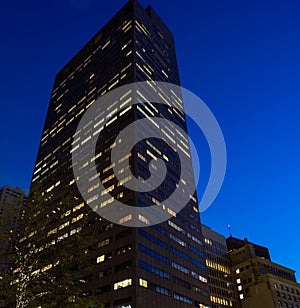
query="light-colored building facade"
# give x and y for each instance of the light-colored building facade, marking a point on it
(270, 291)
(259, 282)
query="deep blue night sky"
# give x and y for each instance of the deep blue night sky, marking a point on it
(240, 57)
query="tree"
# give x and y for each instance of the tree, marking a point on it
(47, 263)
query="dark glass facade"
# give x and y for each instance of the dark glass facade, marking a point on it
(158, 266)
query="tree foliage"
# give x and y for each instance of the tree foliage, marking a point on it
(49, 266)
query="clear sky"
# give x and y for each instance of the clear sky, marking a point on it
(241, 57)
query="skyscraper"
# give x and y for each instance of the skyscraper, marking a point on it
(159, 266)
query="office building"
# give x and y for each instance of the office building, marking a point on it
(158, 266)
(259, 282)
(222, 293)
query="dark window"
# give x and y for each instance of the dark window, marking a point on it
(123, 266)
(103, 289)
(126, 300)
(152, 238)
(105, 272)
(123, 250)
(123, 234)
(153, 254)
(154, 270)
(179, 253)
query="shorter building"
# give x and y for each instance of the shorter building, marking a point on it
(269, 291)
(12, 202)
(218, 263)
(259, 282)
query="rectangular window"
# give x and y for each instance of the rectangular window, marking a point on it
(123, 250)
(124, 233)
(179, 253)
(153, 254)
(123, 284)
(154, 270)
(123, 266)
(197, 263)
(104, 257)
(183, 298)
(104, 242)
(105, 272)
(153, 238)
(178, 240)
(180, 267)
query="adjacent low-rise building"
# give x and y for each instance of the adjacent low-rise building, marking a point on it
(259, 282)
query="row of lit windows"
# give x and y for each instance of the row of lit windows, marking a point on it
(62, 120)
(217, 266)
(220, 301)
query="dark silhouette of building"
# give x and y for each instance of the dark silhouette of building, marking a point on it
(158, 266)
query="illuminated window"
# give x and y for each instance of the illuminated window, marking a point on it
(120, 195)
(124, 219)
(104, 257)
(105, 203)
(46, 268)
(123, 284)
(100, 259)
(199, 277)
(107, 190)
(77, 218)
(104, 242)
(143, 219)
(53, 231)
(176, 227)
(108, 178)
(64, 225)
(77, 207)
(143, 283)
(109, 167)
